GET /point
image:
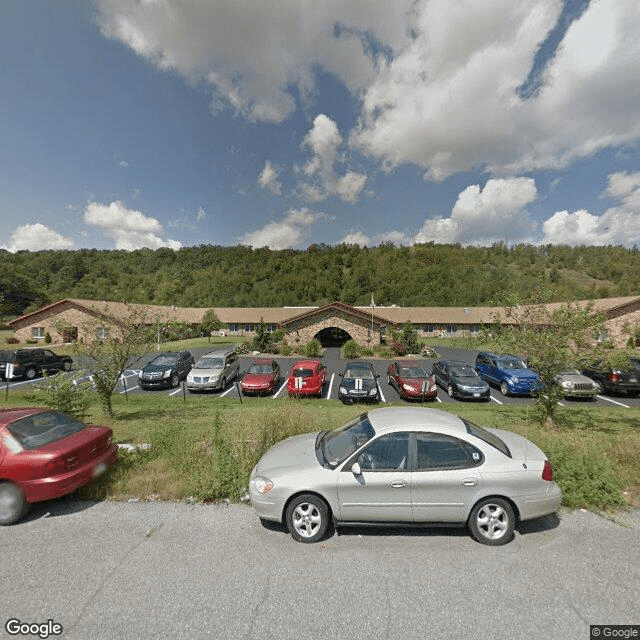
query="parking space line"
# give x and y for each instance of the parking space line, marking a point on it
(282, 386)
(381, 394)
(330, 386)
(495, 399)
(626, 406)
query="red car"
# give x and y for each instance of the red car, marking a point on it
(306, 378)
(261, 377)
(46, 454)
(411, 380)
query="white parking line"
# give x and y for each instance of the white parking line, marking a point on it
(626, 406)
(282, 386)
(381, 394)
(495, 399)
(330, 385)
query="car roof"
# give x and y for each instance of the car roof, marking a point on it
(263, 361)
(415, 418)
(13, 413)
(456, 362)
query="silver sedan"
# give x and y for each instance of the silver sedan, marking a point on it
(407, 466)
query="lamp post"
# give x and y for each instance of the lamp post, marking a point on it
(158, 348)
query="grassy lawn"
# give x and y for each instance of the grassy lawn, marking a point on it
(204, 448)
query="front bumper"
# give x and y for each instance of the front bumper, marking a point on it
(204, 386)
(160, 383)
(473, 394)
(358, 397)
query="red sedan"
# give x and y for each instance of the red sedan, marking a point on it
(306, 378)
(46, 454)
(261, 377)
(411, 380)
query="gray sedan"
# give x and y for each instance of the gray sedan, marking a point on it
(405, 465)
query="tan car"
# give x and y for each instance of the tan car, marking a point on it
(409, 466)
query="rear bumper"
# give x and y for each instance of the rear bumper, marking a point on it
(540, 505)
(60, 485)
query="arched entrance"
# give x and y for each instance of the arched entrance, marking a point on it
(332, 337)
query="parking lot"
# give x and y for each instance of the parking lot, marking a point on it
(335, 365)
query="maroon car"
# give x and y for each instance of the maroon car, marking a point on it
(261, 377)
(46, 454)
(411, 380)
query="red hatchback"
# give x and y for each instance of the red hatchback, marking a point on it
(411, 380)
(306, 378)
(46, 454)
(261, 377)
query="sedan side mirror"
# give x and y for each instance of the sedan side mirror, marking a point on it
(355, 469)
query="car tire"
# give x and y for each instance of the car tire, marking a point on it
(504, 388)
(175, 380)
(30, 373)
(66, 365)
(307, 518)
(601, 388)
(450, 390)
(12, 503)
(223, 384)
(492, 521)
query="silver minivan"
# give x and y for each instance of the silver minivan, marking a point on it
(213, 371)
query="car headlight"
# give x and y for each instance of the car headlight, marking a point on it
(166, 374)
(373, 392)
(260, 484)
(407, 387)
(566, 384)
(343, 390)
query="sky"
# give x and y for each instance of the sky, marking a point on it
(127, 124)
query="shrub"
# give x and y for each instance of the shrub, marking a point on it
(398, 348)
(244, 347)
(284, 348)
(47, 338)
(12, 340)
(313, 348)
(66, 394)
(351, 350)
(429, 352)
(31, 341)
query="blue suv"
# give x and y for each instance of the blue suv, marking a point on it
(509, 373)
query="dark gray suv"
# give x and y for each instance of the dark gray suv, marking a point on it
(29, 363)
(166, 370)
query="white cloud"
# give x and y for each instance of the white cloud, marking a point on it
(324, 141)
(255, 54)
(286, 233)
(481, 216)
(269, 178)
(448, 102)
(619, 224)
(364, 240)
(36, 237)
(129, 228)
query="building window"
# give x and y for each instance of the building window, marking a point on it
(233, 328)
(474, 329)
(102, 333)
(451, 328)
(38, 333)
(249, 328)
(272, 327)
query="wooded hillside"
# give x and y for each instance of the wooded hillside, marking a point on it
(420, 275)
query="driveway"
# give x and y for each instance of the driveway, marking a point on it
(174, 570)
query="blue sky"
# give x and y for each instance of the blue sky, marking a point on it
(172, 123)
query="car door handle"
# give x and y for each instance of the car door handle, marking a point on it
(397, 484)
(470, 482)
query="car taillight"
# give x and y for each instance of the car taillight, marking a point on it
(614, 377)
(55, 464)
(547, 471)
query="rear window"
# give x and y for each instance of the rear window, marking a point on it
(487, 436)
(43, 428)
(302, 373)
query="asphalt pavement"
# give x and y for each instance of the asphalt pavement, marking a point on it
(114, 570)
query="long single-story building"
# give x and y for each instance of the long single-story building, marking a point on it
(72, 320)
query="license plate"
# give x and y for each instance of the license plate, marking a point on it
(476, 395)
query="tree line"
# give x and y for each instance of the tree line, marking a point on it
(420, 275)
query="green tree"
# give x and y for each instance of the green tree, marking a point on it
(129, 339)
(551, 339)
(262, 339)
(210, 322)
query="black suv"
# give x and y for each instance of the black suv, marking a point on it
(29, 363)
(166, 370)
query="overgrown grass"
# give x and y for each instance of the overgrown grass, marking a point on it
(204, 448)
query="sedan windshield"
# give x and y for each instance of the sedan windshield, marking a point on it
(464, 372)
(43, 428)
(260, 369)
(414, 373)
(337, 445)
